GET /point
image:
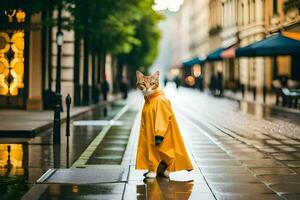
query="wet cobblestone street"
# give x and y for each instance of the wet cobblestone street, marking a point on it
(256, 154)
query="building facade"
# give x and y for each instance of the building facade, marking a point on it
(216, 21)
(190, 33)
(28, 59)
(282, 16)
(251, 29)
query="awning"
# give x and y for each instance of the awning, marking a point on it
(193, 61)
(215, 55)
(293, 35)
(229, 53)
(275, 45)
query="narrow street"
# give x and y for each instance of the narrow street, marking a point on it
(255, 150)
(236, 155)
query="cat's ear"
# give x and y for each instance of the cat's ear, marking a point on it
(139, 75)
(156, 75)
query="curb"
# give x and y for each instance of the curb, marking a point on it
(34, 132)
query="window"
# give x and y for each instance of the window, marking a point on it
(243, 12)
(275, 7)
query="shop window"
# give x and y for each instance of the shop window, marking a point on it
(12, 55)
(275, 7)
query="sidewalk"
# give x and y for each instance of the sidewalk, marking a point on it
(22, 123)
(270, 101)
(270, 98)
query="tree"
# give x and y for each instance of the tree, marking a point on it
(143, 54)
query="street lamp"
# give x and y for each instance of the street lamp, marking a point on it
(59, 38)
(58, 106)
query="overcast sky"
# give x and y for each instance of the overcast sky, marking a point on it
(171, 5)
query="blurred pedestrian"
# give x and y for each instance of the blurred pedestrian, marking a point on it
(219, 83)
(165, 81)
(124, 88)
(105, 88)
(177, 81)
(212, 84)
(199, 83)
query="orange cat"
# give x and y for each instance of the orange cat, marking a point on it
(160, 140)
(147, 84)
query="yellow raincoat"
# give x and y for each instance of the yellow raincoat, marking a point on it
(158, 119)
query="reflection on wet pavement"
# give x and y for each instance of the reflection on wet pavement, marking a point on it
(111, 191)
(113, 145)
(162, 188)
(181, 185)
(23, 161)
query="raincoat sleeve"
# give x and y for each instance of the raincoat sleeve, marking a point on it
(163, 115)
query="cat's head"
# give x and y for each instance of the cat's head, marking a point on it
(147, 84)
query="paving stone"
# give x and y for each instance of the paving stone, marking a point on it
(268, 170)
(244, 188)
(197, 145)
(231, 178)
(297, 170)
(221, 196)
(271, 179)
(291, 196)
(261, 163)
(246, 153)
(297, 154)
(291, 142)
(292, 163)
(208, 154)
(286, 187)
(212, 157)
(273, 142)
(250, 156)
(213, 163)
(196, 150)
(284, 156)
(242, 151)
(238, 146)
(224, 170)
(286, 148)
(199, 142)
(270, 150)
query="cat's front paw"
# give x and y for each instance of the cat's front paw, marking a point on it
(158, 139)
